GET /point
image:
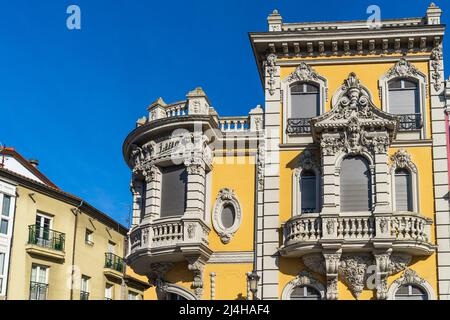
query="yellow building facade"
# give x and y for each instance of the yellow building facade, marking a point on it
(336, 189)
(61, 247)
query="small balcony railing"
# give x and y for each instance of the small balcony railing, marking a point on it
(114, 262)
(38, 291)
(298, 126)
(46, 238)
(84, 295)
(410, 122)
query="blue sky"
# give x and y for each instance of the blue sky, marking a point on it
(69, 98)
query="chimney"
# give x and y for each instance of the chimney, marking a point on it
(275, 21)
(34, 162)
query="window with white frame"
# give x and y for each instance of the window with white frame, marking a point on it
(109, 291)
(355, 180)
(133, 295)
(305, 101)
(308, 190)
(2, 270)
(305, 293)
(43, 229)
(5, 214)
(89, 237)
(173, 191)
(403, 96)
(84, 292)
(403, 191)
(111, 247)
(410, 292)
(39, 282)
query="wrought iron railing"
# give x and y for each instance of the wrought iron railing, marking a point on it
(84, 295)
(114, 262)
(298, 126)
(409, 122)
(47, 238)
(38, 291)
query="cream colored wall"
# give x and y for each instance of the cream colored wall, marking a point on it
(89, 260)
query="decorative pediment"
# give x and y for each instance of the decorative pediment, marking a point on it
(354, 124)
(403, 68)
(304, 73)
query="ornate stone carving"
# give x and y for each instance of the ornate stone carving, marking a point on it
(403, 68)
(409, 277)
(398, 263)
(315, 262)
(196, 265)
(307, 160)
(226, 197)
(332, 262)
(402, 159)
(271, 70)
(158, 272)
(436, 57)
(354, 125)
(303, 73)
(260, 165)
(353, 270)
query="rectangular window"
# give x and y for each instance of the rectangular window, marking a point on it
(4, 226)
(84, 292)
(111, 247)
(173, 191)
(39, 282)
(133, 295)
(305, 101)
(89, 237)
(2, 269)
(6, 205)
(109, 291)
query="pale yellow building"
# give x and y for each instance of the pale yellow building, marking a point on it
(337, 188)
(61, 247)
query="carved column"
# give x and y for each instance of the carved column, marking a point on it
(197, 266)
(137, 191)
(152, 176)
(332, 261)
(195, 197)
(382, 261)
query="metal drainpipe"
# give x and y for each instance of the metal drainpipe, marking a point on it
(75, 212)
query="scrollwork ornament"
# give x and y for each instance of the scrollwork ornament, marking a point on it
(271, 70)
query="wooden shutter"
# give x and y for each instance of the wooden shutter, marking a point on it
(173, 191)
(356, 191)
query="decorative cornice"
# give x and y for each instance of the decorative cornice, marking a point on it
(232, 257)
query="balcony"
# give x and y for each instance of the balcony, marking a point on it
(46, 243)
(403, 232)
(38, 291)
(167, 240)
(298, 126)
(114, 266)
(84, 295)
(410, 122)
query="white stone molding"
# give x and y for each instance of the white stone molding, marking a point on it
(353, 269)
(304, 278)
(226, 197)
(271, 70)
(436, 67)
(197, 265)
(411, 277)
(332, 262)
(212, 276)
(178, 290)
(402, 160)
(406, 70)
(307, 161)
(232, 257)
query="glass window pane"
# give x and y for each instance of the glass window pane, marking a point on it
(173, 191)
(6, 205)
(403, 191)
(305, 293)
(228, 216)
(4, 226)
(304, 105)
(403, 101)
(2, 263)
(308, 192)
(356, 194)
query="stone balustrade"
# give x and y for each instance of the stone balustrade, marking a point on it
(234, 124)
(408, 232)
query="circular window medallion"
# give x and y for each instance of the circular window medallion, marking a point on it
(227, 215)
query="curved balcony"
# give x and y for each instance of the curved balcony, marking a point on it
(167, 240)
(403, 232)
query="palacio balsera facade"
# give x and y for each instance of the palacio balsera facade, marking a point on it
(336, 189)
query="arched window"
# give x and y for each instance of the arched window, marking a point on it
(403, 190)
(356, 191)
(410, 292)
(404, 100)
(305, 293)
(305, 101)
(308, 190)
(174, 296)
